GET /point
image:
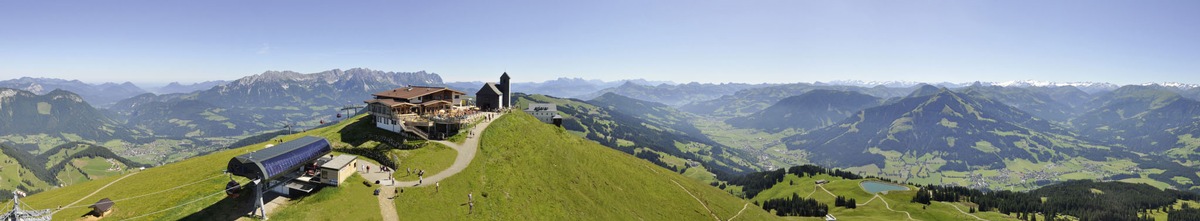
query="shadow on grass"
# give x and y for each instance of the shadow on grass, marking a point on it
(232, 208)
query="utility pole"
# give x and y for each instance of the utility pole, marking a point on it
(18, 214)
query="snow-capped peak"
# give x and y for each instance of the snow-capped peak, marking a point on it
(1172, 84)
(1035, 83)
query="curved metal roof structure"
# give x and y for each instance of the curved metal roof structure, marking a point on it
(273, 162)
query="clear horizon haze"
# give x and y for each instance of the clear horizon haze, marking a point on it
(155, 42)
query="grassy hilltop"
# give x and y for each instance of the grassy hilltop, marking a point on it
(525, 169)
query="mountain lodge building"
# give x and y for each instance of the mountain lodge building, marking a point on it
(434, 112)
(419, 110)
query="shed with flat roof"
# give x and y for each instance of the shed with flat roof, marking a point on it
(338, 169)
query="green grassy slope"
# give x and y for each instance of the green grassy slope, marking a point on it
(558, 176)
(526, 170)
(14, 175)
(432, 157)
(347, 202)
(168, 192)
(627, 124)
(874, 209)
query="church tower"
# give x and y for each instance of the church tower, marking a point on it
(504, 90)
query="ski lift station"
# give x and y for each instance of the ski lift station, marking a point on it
(295, 166)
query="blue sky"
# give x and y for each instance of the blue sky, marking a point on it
(707, 41)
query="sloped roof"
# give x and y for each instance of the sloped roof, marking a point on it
(434, 102)
(103, 205)
(413, 92)
(489, 86)
(539, 107)
(388, 102)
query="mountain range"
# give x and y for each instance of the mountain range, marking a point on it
(59, 113)
(560, 87)
(968, 126)
(957, 127)
(176, 87)
(752, 100)
(100, 95)
(674, 94)
(810, 110)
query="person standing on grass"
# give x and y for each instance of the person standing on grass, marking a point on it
(437, 187)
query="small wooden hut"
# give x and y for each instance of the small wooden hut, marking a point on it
(102, 207)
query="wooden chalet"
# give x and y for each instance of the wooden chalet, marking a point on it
(401, 109)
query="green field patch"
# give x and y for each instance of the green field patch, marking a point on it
(869, 209)
(700, 173)
(985, 146)
(1182, 180)
(43, 108)
(98, 167)
(947, 123)
(1152, 182)
(1005, 133)
(209, 115)
(432, 157)
(70, 175)
(353, 201)
(900, 125)
(1188, 147)
(623, 142)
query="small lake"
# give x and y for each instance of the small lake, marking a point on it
(875, 187)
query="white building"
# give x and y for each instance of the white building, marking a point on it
(338, 169)
(544, 112)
